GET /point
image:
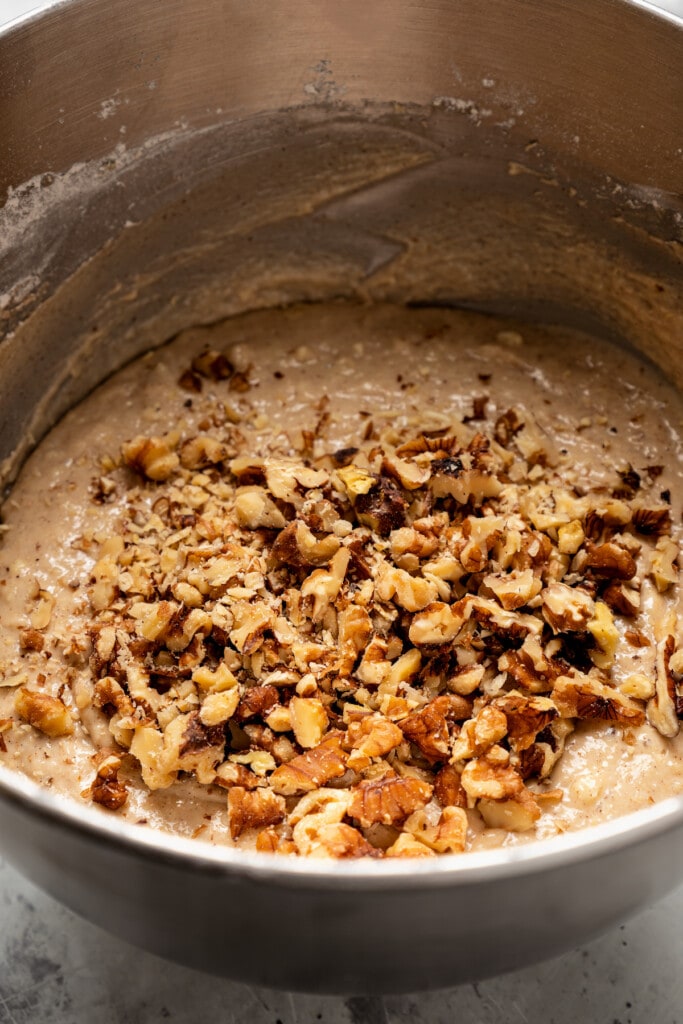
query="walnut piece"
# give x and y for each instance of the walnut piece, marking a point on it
(31, 640)
(312, 769)
(253, 809)
(388, 800)
(332, 839)
(107, 789)
(448, 788)
(664, 564)
(661, 709)
(583, 696)
(429, 729)
(369, 737)
(309, 720)
(408, 846)
(448, 835)
(611, 561)
(502, 798)
(49, 715)
(526, 717)
(567, 609)
(152, 457)
(605, 634)
(296, 545)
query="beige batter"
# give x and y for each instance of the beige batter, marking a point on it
(311, 381)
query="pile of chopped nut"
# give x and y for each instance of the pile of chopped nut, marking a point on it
(368, 647)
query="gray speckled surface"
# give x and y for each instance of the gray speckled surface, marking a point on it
(57, 969)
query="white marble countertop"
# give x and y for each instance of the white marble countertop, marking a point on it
(57, 969)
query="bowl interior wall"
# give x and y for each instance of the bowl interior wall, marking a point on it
(419, 206)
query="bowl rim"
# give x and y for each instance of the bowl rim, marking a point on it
(43, 7)
(97, 825)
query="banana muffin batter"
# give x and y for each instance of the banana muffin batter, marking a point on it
(353, 581)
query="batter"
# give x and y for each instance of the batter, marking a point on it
(344, 581)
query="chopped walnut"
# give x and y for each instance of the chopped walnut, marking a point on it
(409, 474)
(5, 726)
(296, 545)
(517, 814)
(513, 589)
(652, 521)
(152, 457)
(448, 835)
(480, 534)
(231, 774)
(502, 798)
(269, 841)
(570, 537)
(388, 800)
(567, 609)
(541, 757)
(251, 622)
(605, 634)
(661, 709)
(448, 788)
(526, 717)
(31, 640)
(403, 670)
(355, 627)
(382, 508)
(507, 425)
(411, 592)
(480, 733)
(366, 648)
(664, 564)
(110, 693)
(408, 846)
(218, 707)
(638, 685)
(254, 508)
(213, 365)
(583, 696)
(332, 839)
(107, 789)
(309, 720)
(49, 715)
(429, 728)
(411, 540)
(482, 778)
(195, 745)
(286, 479)
(369, 737)
(356, 481)
(147, 746)
(202, 451)
(323, 585)
(436, 624)
(467, 476)
(611, 561)
(312, 769)
(621, 599)
(318, 829)
(253, 809)
(256, 701)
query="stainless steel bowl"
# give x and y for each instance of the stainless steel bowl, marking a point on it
(172, 164)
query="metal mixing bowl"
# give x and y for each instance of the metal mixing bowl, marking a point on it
(170, 164)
